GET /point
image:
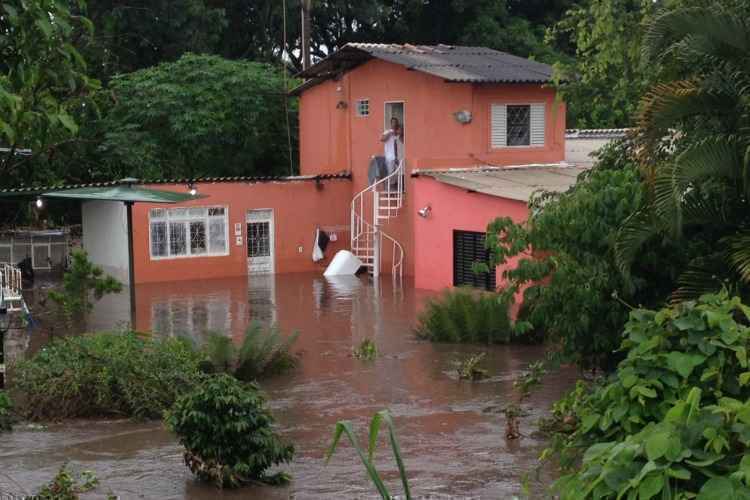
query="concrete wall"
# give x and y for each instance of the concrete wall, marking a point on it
(578, 151)
(453, 208)
(105, 236)
(299, 208)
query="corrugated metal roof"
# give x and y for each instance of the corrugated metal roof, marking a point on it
(36, 190)
(514, 182)
(597, 133)
(452, 63)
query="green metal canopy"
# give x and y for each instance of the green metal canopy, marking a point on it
(123, 193)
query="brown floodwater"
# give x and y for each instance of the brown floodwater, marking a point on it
(451, 432)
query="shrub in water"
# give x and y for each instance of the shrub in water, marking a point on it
(674, 420)
(263, 352)
(465, 315)
(6, 412)
(228, 433)
(105, 374)
(366, 351)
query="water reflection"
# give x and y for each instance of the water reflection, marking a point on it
(451, 431)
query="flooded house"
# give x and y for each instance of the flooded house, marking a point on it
(478, 131)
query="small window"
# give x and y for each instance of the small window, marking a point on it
(519, 133)
(517, 125)
(363, 107)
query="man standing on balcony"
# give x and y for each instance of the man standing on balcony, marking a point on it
(394, 144)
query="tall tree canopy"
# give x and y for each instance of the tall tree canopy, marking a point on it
(199, 116)
(43, 80)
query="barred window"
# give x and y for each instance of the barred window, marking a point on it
(517, 125)
(188, 232)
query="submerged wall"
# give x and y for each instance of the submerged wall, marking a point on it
(299, 207)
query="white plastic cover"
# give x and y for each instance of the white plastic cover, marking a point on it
(343, 263)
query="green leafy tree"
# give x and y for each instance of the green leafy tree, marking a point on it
(605, 79)
(43, 82)
(228, 433)
(674, 420)
(136, 34)
(699, 194)
(201, 115)
(573, 291)
(82, 282)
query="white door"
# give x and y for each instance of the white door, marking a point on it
(260, 245)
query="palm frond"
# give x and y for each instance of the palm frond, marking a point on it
(632, 235)
(738, 251)
(715, 30)
(703, 275)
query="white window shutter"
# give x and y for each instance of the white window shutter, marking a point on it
(499, 125)
(537, 124)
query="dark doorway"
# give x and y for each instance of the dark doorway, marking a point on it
(468, 248)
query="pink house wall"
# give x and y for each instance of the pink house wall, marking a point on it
(333, 138)
(452, 209)
(299, 208)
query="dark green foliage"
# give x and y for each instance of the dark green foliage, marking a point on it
(43, 81)
(698, 191)
(228, 434)
(574, 291)
(136, 34)
(6, 412)
(604, 81)
(199, 116)
(465, 315)
(104, 374)
(264, 352)
(674, 415)
(344, 427)
(82, 282)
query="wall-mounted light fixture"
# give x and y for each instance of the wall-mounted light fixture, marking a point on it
(425, 212)
(39, 203)
(463, 117)
(191, 189)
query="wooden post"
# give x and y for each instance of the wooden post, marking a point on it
(306, 32)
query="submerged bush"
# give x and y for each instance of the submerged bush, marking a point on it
(66, 486)
(366, 350)
(263, 352)
(228, 434)
(105, 374)
(465, 315)
(675, 417)
(6, 412)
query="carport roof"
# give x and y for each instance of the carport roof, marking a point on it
(513, 182)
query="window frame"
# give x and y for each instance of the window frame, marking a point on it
(520, 146)
(187, 220)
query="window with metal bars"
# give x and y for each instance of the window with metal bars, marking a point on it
(258, 239)
(519, 125)
(468, 248)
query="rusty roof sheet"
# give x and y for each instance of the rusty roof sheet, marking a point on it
(513, 182)
(452, 63)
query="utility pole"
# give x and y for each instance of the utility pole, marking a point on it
(306, 32)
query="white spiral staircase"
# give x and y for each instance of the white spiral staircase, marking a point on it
(381, 201)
